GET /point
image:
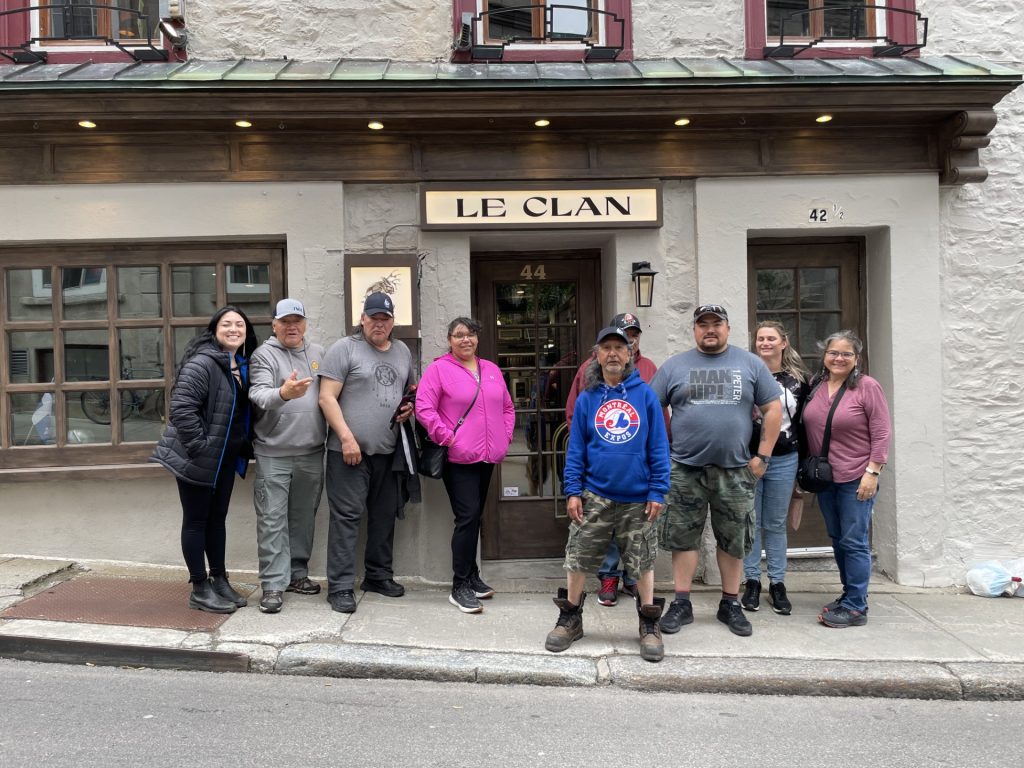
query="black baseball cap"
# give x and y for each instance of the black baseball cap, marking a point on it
(627, 320)
(379, 304)
(612, 331)
(711, 309)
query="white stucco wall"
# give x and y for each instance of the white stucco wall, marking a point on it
(404, 30)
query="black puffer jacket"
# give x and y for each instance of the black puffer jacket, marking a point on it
(205, 429)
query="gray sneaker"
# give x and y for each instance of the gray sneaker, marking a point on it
(463, 598)
(271, 601)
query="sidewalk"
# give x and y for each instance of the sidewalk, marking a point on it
(933, 644)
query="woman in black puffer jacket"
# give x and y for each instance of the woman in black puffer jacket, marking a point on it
(206, 442)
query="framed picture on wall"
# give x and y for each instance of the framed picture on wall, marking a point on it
(393, 274)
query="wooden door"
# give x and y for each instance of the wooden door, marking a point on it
(814, 287)
(540, 315)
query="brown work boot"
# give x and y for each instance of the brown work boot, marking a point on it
(651, 646)
(569, 626)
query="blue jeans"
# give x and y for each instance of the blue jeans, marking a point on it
(771, 507)
(848, 521)
(610, 566)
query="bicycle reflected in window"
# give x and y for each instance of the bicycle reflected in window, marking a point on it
(144, 403)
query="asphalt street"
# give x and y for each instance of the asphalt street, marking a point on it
(58, 715)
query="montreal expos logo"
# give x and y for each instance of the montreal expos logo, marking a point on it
(617, 421)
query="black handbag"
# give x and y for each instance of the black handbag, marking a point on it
(431, 456)
(815, 473)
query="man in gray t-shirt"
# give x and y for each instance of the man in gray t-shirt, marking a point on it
(712, 391)
(362, 381)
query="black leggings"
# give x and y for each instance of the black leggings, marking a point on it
(204, 510)
(467, 489)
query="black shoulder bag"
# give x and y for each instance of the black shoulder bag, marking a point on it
(433, 457)
(815, 473)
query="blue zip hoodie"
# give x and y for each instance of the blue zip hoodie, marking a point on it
(618, 447)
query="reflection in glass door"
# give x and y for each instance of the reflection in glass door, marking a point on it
(531, 309)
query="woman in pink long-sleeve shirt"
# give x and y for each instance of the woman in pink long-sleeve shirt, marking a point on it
(858, 450)
(448, 388)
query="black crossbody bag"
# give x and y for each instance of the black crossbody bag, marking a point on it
(815, 473)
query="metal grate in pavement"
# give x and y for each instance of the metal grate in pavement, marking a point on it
(125, 602)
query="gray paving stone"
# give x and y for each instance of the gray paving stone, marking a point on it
(989, 681)
(262, 658)
(17, 572)
(93, 633)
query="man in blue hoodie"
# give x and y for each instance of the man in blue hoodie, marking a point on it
(616, 477)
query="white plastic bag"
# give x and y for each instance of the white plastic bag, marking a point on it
(991, 579)
(1016, 569)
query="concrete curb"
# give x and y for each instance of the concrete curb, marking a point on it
(967, 681)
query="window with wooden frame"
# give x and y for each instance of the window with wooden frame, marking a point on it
(549, 30)
(90, 338)
(835, 23)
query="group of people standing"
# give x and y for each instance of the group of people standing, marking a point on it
(650, 452)
(632, 487)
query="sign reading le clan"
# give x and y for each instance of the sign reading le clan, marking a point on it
(528, 206)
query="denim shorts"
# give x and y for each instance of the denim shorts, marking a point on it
(730, 494)
(603, 520)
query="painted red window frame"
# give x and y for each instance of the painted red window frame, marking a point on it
(16, 28)
(621, 8)
(901, 28)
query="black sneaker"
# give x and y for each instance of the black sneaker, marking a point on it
(343, 601)
(480, 589)
(834, 604)
(386, 587)
(680, 612)
(842, 617)
(609, 592)
(777, 597)
(729, 612)
(464, 598)
(271, 601)
(751, 600)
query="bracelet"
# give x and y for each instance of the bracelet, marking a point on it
(871, 471)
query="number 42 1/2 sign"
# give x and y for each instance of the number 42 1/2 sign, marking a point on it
(826, 215)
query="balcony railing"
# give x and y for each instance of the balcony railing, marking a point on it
(482, 46)
(78, 22)
(853, 21)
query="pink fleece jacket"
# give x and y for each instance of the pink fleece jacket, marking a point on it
(444, 394)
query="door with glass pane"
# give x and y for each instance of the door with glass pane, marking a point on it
(813, 286)
(540, 314)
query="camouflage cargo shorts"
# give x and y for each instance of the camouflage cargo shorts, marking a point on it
(604, 520)
(730, 494)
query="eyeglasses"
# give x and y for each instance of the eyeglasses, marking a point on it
(844, 355)
(463, 336)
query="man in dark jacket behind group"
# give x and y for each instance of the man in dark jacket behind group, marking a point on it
(616, 478)
(289, 448)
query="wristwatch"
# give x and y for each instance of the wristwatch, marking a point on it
(766, 460)
(870, 471)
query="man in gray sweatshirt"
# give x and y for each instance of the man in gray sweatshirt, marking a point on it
(289, 447)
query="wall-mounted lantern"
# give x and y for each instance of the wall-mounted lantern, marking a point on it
(643, 283)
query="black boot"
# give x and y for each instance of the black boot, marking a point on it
(651, 646)
(569, 627)
(204, 598)
(223, 587)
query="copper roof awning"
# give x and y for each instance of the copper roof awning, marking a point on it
(940, 107)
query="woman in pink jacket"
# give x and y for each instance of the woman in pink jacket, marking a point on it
(449, 385)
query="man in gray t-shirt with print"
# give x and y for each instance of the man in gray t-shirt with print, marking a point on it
(362, 380)
(712, 391)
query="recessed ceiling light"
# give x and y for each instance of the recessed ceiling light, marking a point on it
(86, 124)
(243, 123)
(823, 118)
(375, 125)
(683, 121)
(542, 123)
